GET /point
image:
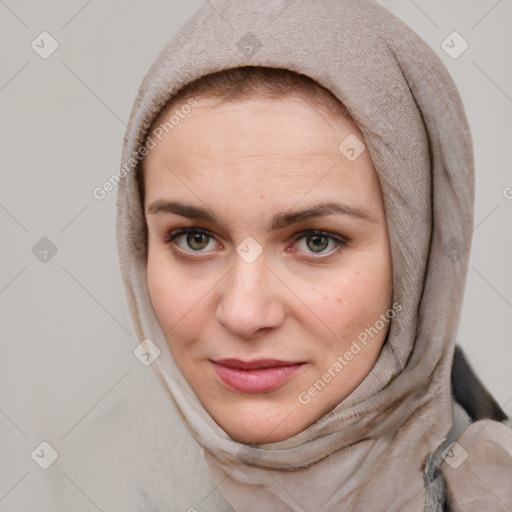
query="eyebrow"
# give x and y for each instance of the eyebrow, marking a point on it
(279, 221)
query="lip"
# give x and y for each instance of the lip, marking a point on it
(257, 376)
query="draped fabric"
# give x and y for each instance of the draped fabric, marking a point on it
(369, 452)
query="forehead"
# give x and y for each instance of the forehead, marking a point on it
(258, 144)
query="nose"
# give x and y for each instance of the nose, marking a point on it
(249, 304)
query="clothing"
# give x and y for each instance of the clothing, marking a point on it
(368, 454)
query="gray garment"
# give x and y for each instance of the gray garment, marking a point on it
(435, 483)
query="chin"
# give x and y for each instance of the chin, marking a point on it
(258, 436)
(259, 428)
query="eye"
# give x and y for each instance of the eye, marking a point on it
(191, 239)
(316, 242)
(310, 242)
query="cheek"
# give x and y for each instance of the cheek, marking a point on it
(353, 301)
(176, 299)
(351, 308)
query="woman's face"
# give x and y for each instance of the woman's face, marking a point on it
(269, 267)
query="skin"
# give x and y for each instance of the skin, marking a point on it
(247, 161)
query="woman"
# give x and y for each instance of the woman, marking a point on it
(293, 233)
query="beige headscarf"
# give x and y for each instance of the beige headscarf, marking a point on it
(368, 454)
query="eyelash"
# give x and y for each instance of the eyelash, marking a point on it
(340, 242)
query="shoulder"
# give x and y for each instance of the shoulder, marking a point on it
(478, 468)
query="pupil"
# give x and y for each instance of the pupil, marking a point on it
(320, 242)
(197, 240)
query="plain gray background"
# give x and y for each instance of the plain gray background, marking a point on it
(67, 339)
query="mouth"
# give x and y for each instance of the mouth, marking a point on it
(258, 376)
